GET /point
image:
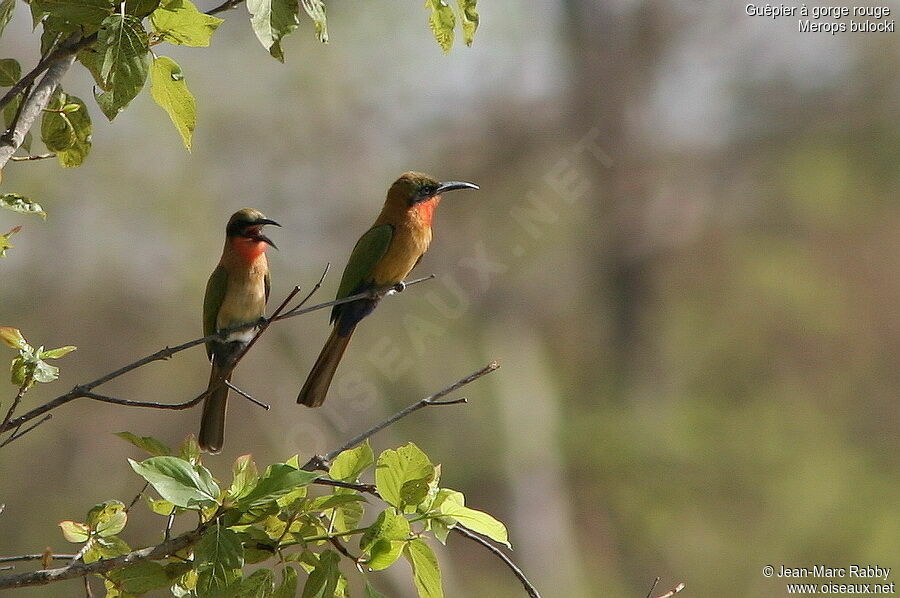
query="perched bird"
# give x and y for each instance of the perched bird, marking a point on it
(235, 294)
(382, 257)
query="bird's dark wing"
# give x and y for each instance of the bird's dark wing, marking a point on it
(370, 248)
(212, 301)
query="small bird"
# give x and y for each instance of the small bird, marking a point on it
(382, 257)
(236, 294)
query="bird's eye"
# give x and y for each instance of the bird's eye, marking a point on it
(427, 190)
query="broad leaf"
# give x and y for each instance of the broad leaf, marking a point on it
(10, 71)
(426, 573)
(279, 479)
(271, 21)
(146, 443)
(57, 352)
(140, 578)
(442, 21)
(384, 540)
(288, 587)
(477, 521)
(169, 90)
(218, 557)
(21, 204)
(402, 476)
(347, 466)
(244, 476)
(179, 22)
(107, 518)
(323, 580)
(261, 584)
(82, 12)
(140, 8)
(74, 531)
(67, 130)
(177, 481)
(119, 61)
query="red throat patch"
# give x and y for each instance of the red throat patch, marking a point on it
(248, 249)
(425, 209)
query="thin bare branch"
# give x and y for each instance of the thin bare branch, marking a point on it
(16, 434)
(532, 591)
(36, 557)
(672, 592)
(321, 461)
(227, 5)
(247, 395)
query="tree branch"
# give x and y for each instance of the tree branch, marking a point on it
(532, 591)
(32, 105)
(86, 390)
(79, 569)
(321, 461)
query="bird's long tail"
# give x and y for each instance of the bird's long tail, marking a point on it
(316, 386)
(212, 423)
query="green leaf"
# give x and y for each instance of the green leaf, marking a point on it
(288, 587)
(67, 134)
(161, 506)
(371, 592)
(468, 14)
(58, 352)
(177, 481)
(105, 548)
(10, 71)
(12, 337)
(442, 22)
(279, 479)
(119, 61)
(4, 240)
(190, 450)
(384, 540)
(477, 521)
(146, 443)
(271, 21)
(316, 11)
(82, 12)
(323, 580)
(330, 501)
(426, 573)
(347, 466)
(179, 22)
(140, 578)
(219, 546)
(402, 475)
(218, 557)
(107, 518)
(261, 584)
(141, 8)
(244, 476)
(74, 531)
(6, 12)
(21, 204)
(169, 90)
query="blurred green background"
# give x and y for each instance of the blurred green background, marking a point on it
(684, 254)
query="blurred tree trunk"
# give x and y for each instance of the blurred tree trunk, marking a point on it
(615, 48)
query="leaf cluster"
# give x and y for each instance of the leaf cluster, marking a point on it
(276, 516)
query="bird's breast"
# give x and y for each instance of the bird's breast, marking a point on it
(407, 246)
(245, 299)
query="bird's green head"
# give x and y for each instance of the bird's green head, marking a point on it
(247, 224)
(414, 187)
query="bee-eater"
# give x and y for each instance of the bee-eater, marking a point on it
(382, 257)
(236, 294)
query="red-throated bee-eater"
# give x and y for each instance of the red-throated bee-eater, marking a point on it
(382, 257)
(236, 294)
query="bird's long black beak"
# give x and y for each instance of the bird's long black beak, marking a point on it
(261, 237)
(454, 185)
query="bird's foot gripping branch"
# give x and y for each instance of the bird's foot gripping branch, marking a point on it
(304, 527)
